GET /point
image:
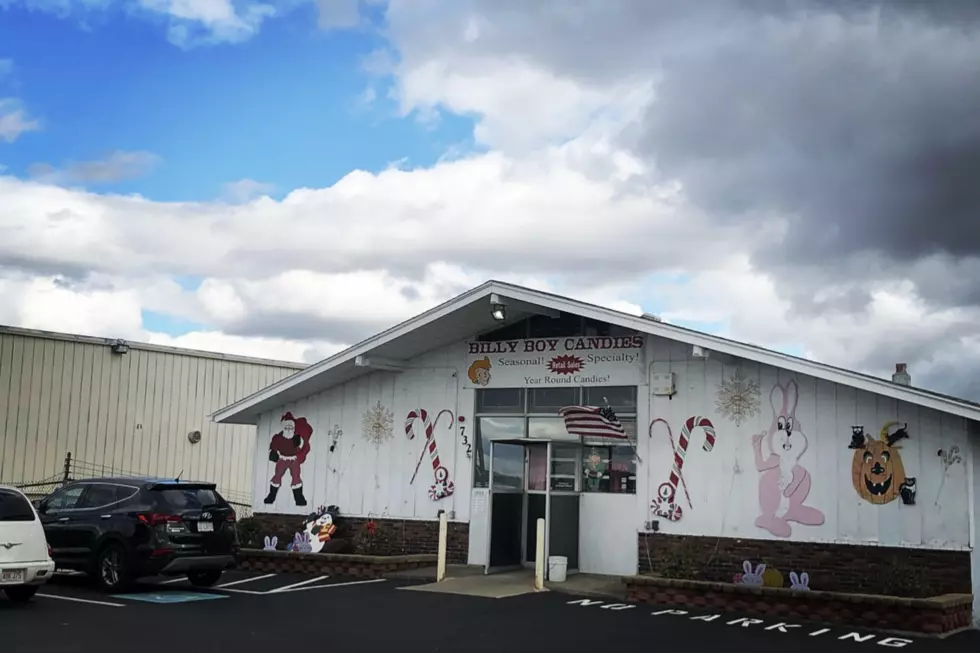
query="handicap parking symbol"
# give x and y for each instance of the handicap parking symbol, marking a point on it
(170, 597)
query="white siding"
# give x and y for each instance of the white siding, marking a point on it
(724, 483)
(127, 412)
(607, 536)
(361, 479)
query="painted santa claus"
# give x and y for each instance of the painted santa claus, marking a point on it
(288, 449)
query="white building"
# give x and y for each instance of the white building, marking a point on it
(867, 484)
(124, 407)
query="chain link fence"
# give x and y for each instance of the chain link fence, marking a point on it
(74, 470)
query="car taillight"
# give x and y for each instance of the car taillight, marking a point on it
(232, 516)
(155, 518)
(50, 551)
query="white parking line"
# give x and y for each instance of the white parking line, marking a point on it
(72, 598)
(293, 588)
(303, 582)
(243, 580)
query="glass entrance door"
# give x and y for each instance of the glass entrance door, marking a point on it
(507, 493)
(535, 498)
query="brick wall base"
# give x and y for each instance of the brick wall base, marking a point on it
(392, 537)
(935, 616)
(356, 566)
(892, 571)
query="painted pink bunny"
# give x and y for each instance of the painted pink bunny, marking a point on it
(784, 484)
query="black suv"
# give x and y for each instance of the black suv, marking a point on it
(119, 529)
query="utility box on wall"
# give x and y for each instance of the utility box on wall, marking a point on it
(662, 384)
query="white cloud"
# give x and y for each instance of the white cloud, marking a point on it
(245, 190)
(15, 120)
(115, 166)
(191, 22)
(558, 203)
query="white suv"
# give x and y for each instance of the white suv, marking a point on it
(25, 557)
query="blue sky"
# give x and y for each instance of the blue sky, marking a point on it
(283, 108)
(289, 105)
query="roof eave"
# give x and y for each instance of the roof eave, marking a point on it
(241, 411)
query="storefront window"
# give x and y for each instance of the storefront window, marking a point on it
(500, 400)
(593, 465)
(565, 467)
(620, 399)
(487, 429)
(609, 468)
(551, 400)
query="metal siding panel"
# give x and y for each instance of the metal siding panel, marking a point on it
(212, 429)
(178, 435)
(109, 454)
(7, 404)
(105, 377)
(24, 408)
(128, 412)
(236, 476)
(35, 465)
(93, 370)
(125, 413)
(220, 461)
(52, 444)
(196, 458)
(76, 409)
(168, 415)
(148, 372)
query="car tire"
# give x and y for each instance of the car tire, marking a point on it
(20, 594)
(204, 578)
(112, 569)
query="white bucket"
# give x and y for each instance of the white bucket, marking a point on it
(557, 568)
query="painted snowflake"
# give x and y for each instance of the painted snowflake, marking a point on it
(377, 425)
(738, 397)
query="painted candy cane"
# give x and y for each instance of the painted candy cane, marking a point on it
(665, 505)
(443, 487)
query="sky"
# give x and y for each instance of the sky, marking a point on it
(283, 178)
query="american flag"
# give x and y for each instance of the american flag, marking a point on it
(592, 421)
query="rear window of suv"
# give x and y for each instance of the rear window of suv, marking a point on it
(189, 498)
(14, 507)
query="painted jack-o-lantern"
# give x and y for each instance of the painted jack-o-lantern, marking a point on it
(877, 470)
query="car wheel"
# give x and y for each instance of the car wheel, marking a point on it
(204, 578)
(21, 593)
(112, 572)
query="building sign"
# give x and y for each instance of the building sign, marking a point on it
(549, 362)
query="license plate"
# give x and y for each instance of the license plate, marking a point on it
(205, 527)
(11, 576)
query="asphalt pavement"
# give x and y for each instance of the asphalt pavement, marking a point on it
(261, 612)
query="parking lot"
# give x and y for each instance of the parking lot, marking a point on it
(75, 588)
(256, 612)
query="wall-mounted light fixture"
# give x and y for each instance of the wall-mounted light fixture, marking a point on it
(120, 347)
(498, 309)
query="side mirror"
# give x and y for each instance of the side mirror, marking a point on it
(41, 506)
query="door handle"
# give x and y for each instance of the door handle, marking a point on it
(63, 519)
(106, 516)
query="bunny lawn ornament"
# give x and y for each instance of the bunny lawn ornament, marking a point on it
(801, 582)
(750, 577)
(784, 483)
(270, 543)
(301, 543)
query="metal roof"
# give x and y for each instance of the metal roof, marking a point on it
(145, 346)
(468, 314)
